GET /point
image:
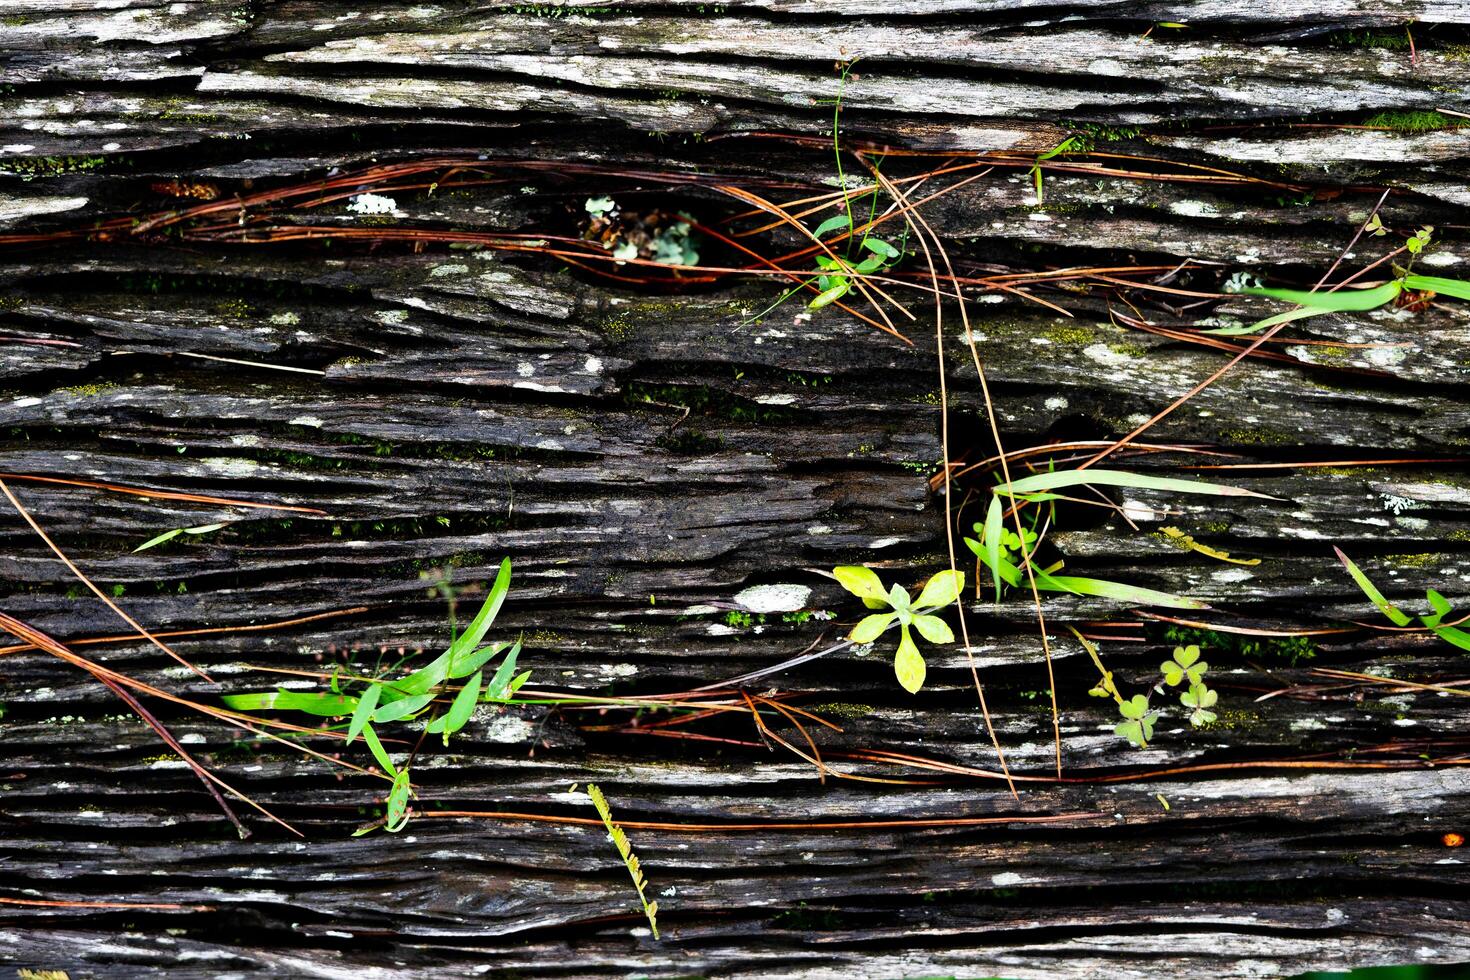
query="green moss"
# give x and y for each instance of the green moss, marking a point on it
(1067, 335)
(1128, 350)
(704, 400)
(235, 308)
(1384, 40)
(88, 390)
(842, 709)
(1414, 122)
(32, 168)
(1284, 649)
(1422, 560)
(1253, 437)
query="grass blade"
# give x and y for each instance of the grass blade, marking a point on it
(1339, 301)
(1396, 615)
(1119, 478)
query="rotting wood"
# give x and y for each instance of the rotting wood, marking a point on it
(472, 405)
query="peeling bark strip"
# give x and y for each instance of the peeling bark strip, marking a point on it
(664, 475)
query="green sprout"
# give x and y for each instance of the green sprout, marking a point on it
(941, 590)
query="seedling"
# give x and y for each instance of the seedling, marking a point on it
(170, 535)
(1138, 717)
(1433, 620)
(834, 274)
(1057, 150)
(941, 590)
(1312, 303)
(381, 700)
(1006, 554)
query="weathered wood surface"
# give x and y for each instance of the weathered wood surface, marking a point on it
(472, 405)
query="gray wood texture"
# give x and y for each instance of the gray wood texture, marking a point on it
(443, 407)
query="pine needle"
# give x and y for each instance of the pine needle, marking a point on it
(625, 851)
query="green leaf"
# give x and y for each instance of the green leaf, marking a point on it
(861, 581)
(908, 664)
(520, 679)
(1395, 615)
(1184, 656)
(1270, 321)
(1438, 603)
(1450, 634)
(499, 687)
(990, 537)
(1001, 566)
(363, 713)
(1334, 302)
(933, 629)
(941, 590)
(396, 812)
(1173, 673)
(1119, 478)
(829, 296)
(599, 205)
(831, 225)
(402, 708)
(1134, 594)
(1458, 288)
(381, 754)
(314, 703)
(881, 248)
(152, 542)
(468, 665)
(1136, 707)
(870, 264)
(425, 679)
(480, 625)
(869, 628)
(898, 598)
(1061, 147)
(462, 708)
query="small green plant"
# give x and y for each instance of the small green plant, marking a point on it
(170, 535)
(1138, 716)
(1055, 151)
(1311, 303)
(1439, 607)
(381, 700)
(834, 274)
(1006, 554)
(625, 851)
(941, 590)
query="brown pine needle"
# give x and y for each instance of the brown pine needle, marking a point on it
(107, 600)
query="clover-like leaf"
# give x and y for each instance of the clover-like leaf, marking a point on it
(908, 664)
(862, 582)
(869, 628)
(1136, 707)
(933, 629)
(941, 590)
(1138, 727)
(1200, 699)
(1186, 663)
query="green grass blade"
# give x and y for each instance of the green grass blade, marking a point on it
(499, 686)
(480, 625)
(1395, 615)
(317, 703)
(366, 705)
(1132, 594)
(381, 754)
(1270, 321)
(1119, 478)
(1335, 302)
(990, 539)
(160, 539)
(402, 708)
(459, 712)
(1458, 288)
